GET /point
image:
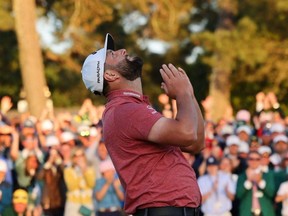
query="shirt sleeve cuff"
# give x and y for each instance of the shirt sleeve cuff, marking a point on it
(262, 184)
(248, 184)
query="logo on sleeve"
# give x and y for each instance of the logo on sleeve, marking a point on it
(152, 109)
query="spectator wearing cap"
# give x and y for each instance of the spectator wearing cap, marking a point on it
(5, 187)
(282, 192)
(108, 192)
(226, 131)
(232, 151)
(68, 137)
(265, 136)
(52, 175)
(280, 147)
(214, 151)
(244, 133)
(255, 189)
(19, 204)
(28, 127)
(265, 153)
(277, 129)
(51, 142)
(217, 189)
(89, 145)
(243, 116)
(80, 180)
(280, 144)
(8, 135)
(29, 143)
(46, 129)
(243, 150)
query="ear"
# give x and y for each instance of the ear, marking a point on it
(111, 75)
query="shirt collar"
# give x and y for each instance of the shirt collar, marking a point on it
(126, 93)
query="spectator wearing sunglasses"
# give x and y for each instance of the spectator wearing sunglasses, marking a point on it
(255, 189)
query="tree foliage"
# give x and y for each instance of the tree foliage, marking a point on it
(247, 39)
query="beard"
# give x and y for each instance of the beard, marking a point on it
(130, 67)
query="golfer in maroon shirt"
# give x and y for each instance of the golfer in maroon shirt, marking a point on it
(145, 147)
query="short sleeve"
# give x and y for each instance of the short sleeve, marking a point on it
(282, 189)
(136, 120)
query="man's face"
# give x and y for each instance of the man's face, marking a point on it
(5, 140)
(254, 160)
(31, 164)
(226, 165)
(30, 142)
(233, 149)
(265, 159)
(243, 136)
(280, 147)
(129, 67)
(65, 150)
(20, 200)
(212, 169)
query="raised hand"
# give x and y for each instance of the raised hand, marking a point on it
(6, 104)
(175, 82)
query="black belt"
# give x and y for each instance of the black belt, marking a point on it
(168, 211)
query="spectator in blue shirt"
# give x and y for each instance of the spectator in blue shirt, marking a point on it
(5, 187)
(108, 192)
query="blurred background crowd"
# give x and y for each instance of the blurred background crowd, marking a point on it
(58, 164)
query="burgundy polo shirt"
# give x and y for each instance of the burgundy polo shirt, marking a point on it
(152, 175)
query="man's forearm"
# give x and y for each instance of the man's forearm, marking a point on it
(186, 116)
(198, 145)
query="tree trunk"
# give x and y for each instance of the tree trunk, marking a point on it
(30, 55)
(220, 87)
(219, 91)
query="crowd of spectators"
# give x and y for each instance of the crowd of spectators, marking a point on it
(58, 164)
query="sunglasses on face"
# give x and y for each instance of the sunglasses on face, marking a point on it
(254, 159)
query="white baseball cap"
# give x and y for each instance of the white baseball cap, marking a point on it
(244, 128)
(243, 147)
(264, 149)
(243, 115)
(227, 130)
(67, 136)
(106, 165)
(52, 140)
(280, 138)
(233, 140)
(47, 125)
(93, 67)
(277, 128)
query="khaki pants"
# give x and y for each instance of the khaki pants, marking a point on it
(223, 214)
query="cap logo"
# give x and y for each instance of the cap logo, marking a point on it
(98, 71)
